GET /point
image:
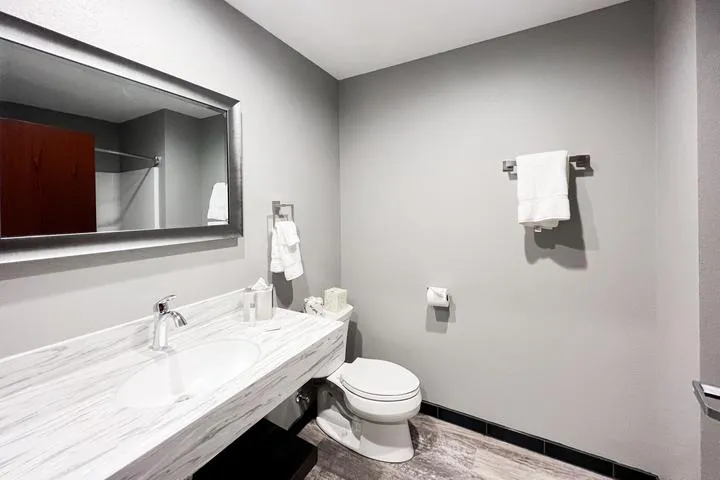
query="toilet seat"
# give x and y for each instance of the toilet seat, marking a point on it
(383, 412)
(379, 380)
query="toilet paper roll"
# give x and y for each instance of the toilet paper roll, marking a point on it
(438, 297)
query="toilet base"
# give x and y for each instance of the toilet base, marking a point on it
(386, 442)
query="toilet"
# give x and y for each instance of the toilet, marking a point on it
(365, 405)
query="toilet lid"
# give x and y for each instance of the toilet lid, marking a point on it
(379, 380)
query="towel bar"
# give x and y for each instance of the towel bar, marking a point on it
(580, 161)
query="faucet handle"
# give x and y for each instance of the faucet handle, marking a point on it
(161, 306)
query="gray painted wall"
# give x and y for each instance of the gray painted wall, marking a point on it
(678, 356)
(554, 334)
(290, 153)
(144, 135)
(181, 171)
(708, 55)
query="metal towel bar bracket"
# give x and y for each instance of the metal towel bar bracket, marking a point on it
(277, 205)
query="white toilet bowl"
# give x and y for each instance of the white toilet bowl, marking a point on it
(365, 405)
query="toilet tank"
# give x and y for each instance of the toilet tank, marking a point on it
(343, 316)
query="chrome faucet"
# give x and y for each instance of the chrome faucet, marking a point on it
(162, 312)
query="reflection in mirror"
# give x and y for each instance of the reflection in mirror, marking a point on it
(82, 150)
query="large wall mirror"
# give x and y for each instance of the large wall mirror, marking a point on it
(99, 154)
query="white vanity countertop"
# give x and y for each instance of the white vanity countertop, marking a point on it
(59, 417)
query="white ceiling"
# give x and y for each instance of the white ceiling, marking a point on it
(30, 77)
(351, 37)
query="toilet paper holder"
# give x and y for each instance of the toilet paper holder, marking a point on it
(446, 301)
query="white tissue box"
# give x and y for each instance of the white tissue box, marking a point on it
(335, 299)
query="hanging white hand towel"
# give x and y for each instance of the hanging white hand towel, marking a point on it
(218, 207)
(285, 250)
(276, 265)
(542, 189)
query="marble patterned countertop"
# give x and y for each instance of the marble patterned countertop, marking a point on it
(59, 417)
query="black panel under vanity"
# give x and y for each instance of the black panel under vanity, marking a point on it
(549, 448)
(265, 451)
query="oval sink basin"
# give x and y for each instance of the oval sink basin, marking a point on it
(189, 373)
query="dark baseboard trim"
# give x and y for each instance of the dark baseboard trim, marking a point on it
(549, 448)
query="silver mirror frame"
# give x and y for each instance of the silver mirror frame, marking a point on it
(21, 249)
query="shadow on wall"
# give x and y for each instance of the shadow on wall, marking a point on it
(285, 291)
(354, 340)
(437, 319)
(566, 245)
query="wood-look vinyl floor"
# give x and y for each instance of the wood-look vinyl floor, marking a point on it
(442, 451)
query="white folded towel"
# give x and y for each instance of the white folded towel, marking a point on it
(218, 208)
(542, 189)
(276, 265)
(285, 250)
